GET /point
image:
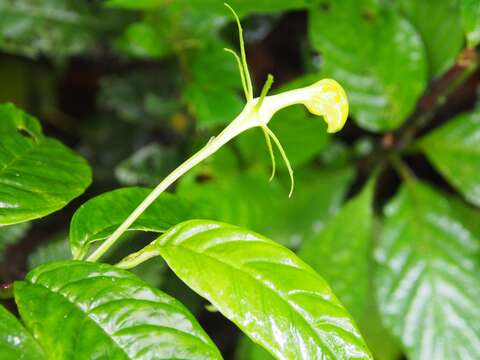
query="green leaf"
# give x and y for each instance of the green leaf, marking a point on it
(10, 235)
(215, 6)
(471, 21)
(375, 54)
(53, 27)
(317, 197)
(454, 150)
(212, 93)
(144, 40)
(84, 310)
(439, 24)
(341, 252)
(134, 4)
(427, 274)
(100, 216)
(248, 350)
(15, 342)
(248, 199)
(38, 175)
(264, 288)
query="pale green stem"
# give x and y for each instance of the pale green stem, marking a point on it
(236, 127)
(251, 116)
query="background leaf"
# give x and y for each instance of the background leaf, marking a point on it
(99, 217)
(53, 27)
(471, 21)
(213, 89)
(275, 298)
(426, 279)
(454, 149)
(16, 343)
(439, 24)
(38, 175)
(341, 252)
(376, 54)
(84, 310)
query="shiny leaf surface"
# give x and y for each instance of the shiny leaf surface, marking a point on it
(454, 150)
(264, 288)
(439, 24)
(99, 217)
(83, 310)
(38, 175)
(16, 343)
(379, 59)
(426, 277)
(342, 246)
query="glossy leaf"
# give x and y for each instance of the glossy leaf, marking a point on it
(471, 21)
(85, 310)
(426, 277)
(273, 296)
(379, 59)
(99, 217)
(454, 150)
(10, 235)
(248, 350)
(38, 175)
(16, 343)
(439, 24)
(341, 252)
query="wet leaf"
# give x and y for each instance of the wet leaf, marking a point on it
(439, 24)
(379, 59)
(38, 175)
(16, 343)
(426, 277)
(264, 288)
(454, 150)
(87, 310)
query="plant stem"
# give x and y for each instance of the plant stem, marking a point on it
(402, 169)
(422, 118)
(211, 147)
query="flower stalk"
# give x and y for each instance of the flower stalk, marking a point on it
(324, 98)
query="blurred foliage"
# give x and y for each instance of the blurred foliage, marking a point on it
(386, 211)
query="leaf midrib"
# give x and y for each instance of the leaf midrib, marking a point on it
(179, 246)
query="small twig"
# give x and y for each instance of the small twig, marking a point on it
(465, 66)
